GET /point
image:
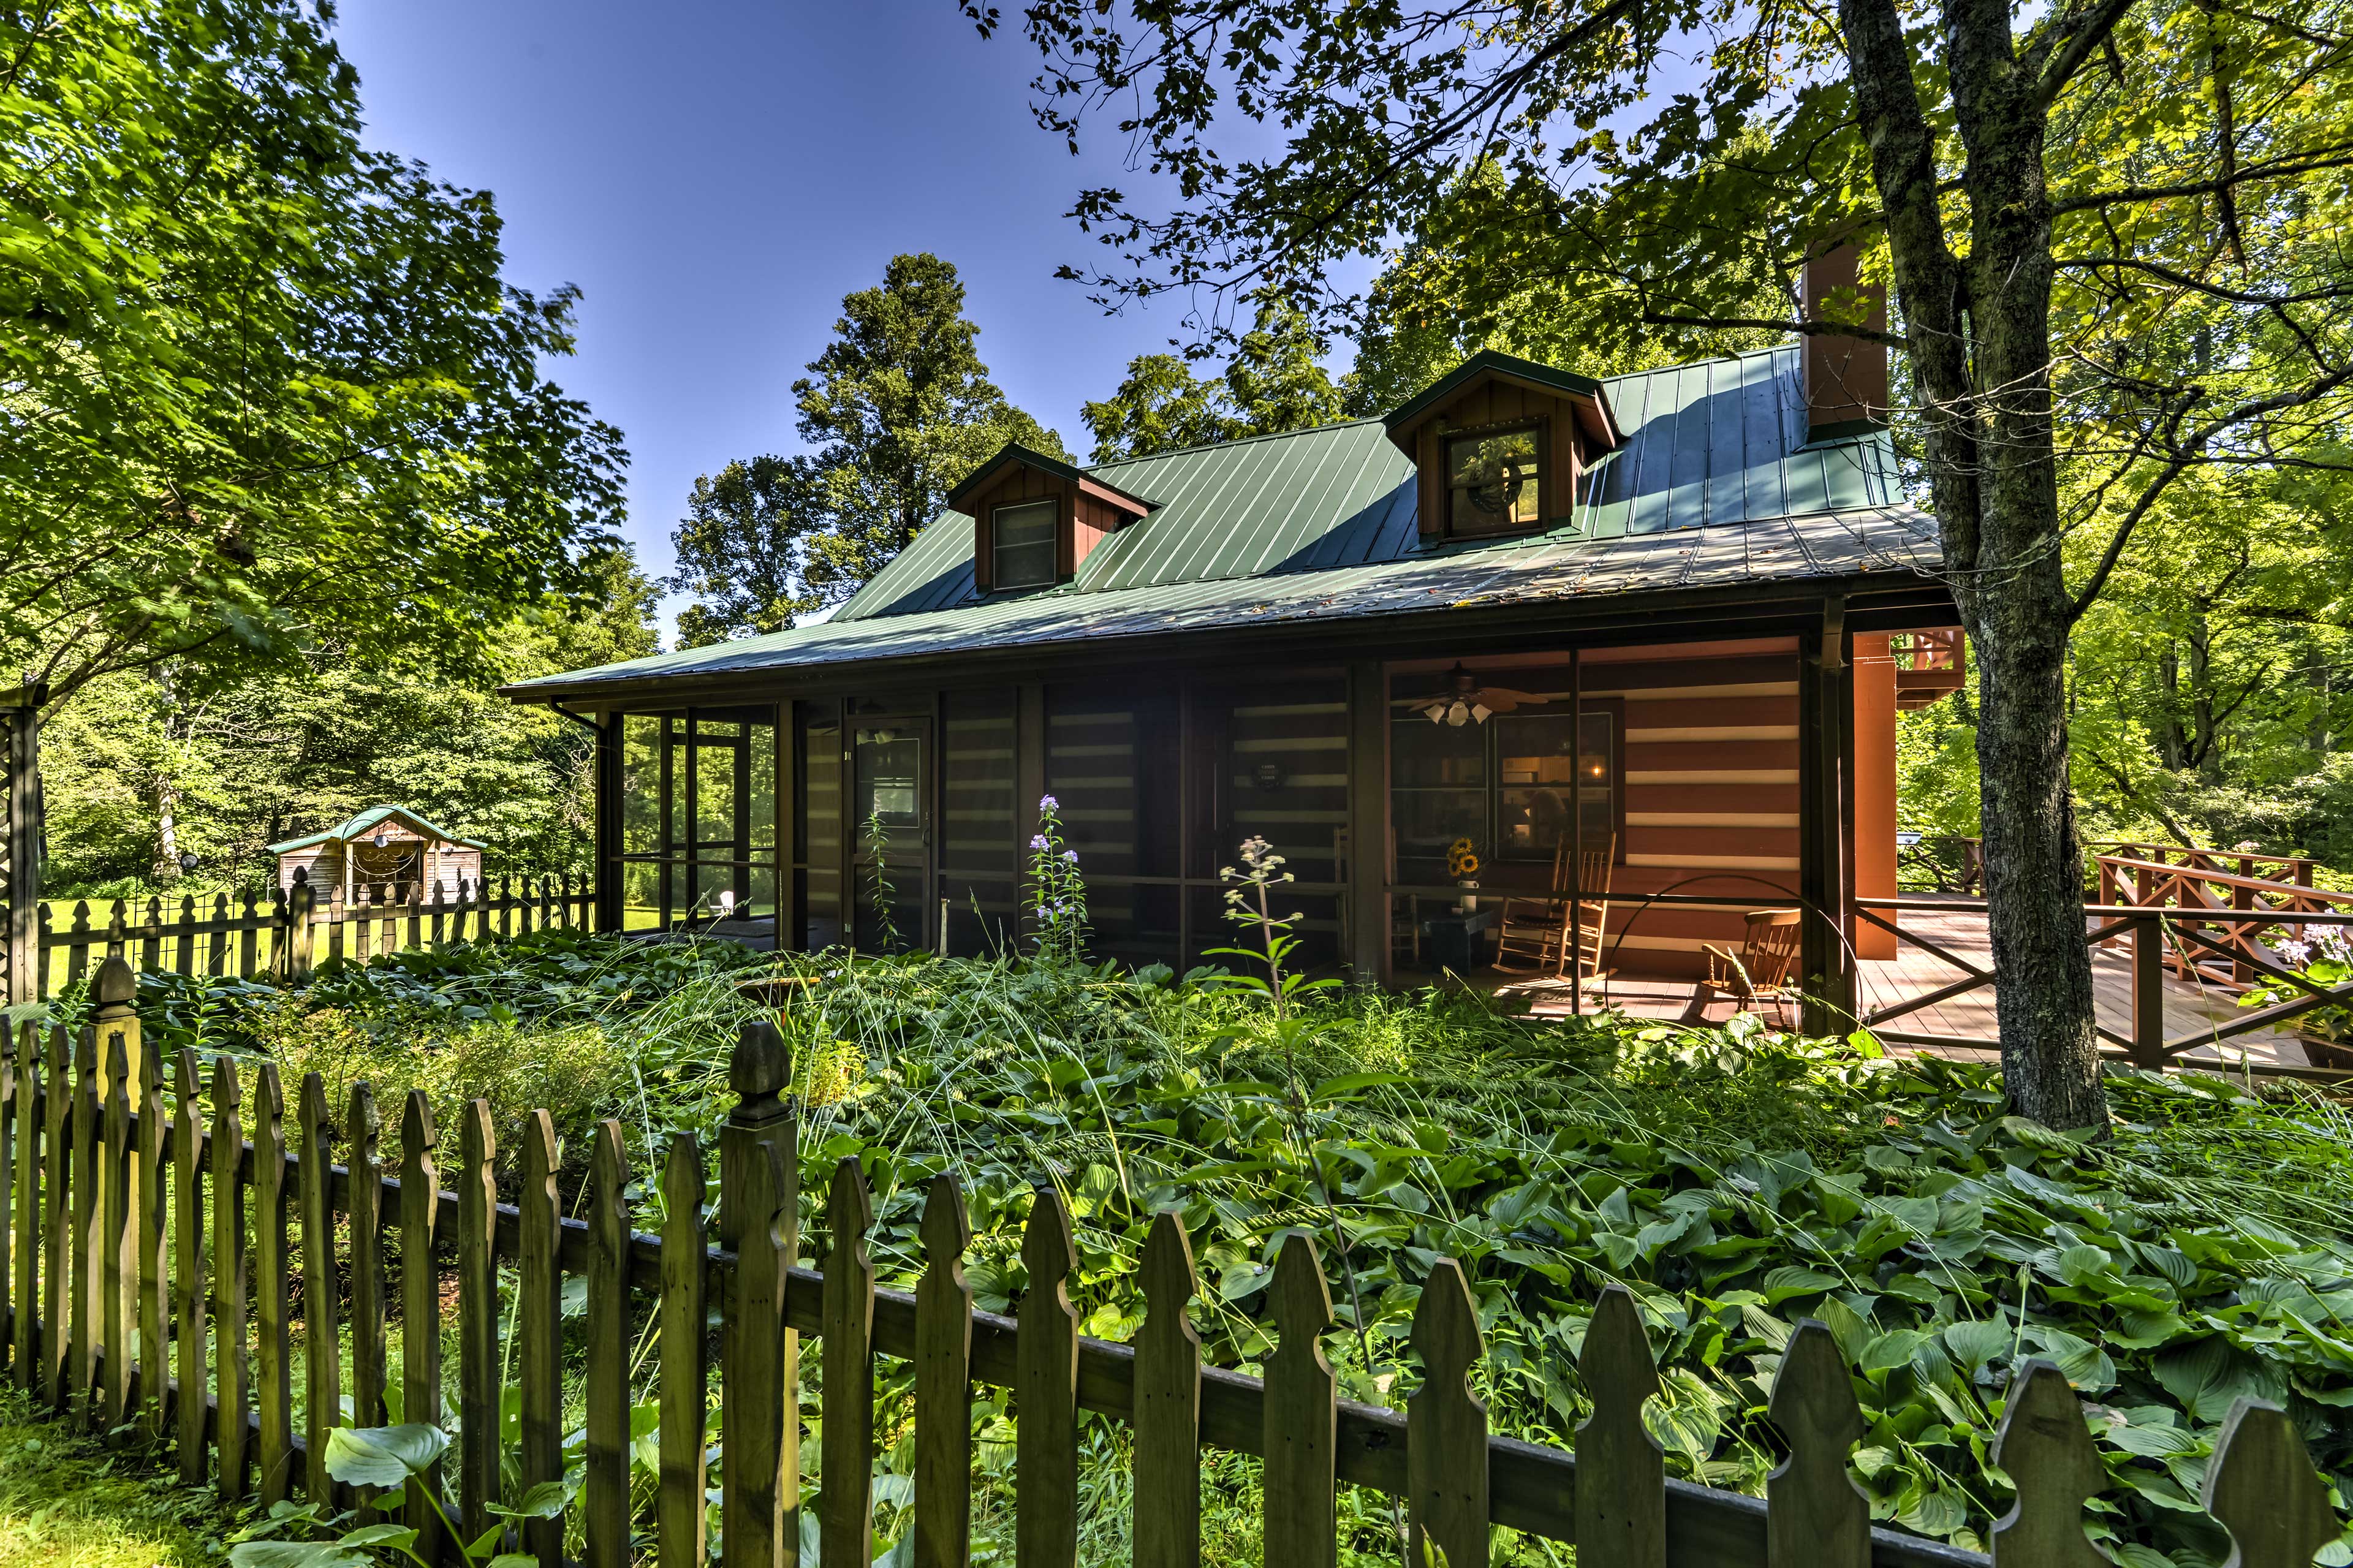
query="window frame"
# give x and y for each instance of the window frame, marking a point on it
(1539, 431)
(1052, 505)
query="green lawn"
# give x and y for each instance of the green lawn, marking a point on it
(70, 1500)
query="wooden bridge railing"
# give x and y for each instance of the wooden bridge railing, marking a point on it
(288, 930)
(2200, 884)
(115, 1309)
(2160, 943)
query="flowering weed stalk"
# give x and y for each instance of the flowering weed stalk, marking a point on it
(1058, 891)
(877, 850)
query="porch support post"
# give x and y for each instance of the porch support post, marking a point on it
(792, 838)
(611, 891)
(22, 781)
(1573, 933)
(1368, 822)
(1825, 704)
(1028, 778)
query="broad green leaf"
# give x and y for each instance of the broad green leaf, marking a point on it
(382, 1456)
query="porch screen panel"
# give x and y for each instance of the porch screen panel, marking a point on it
(1287, 782)
(641, 818)
(1112, 766)
(817, 846)
(981, 829)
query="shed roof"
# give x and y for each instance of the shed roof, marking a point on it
(354, 827)
(1715, 486)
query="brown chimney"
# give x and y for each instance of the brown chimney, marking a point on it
(1845, 378)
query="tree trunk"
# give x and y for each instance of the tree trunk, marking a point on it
(2172, 740)
(1976, 321)
(167, 780)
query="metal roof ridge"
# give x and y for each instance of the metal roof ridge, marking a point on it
(1237, 441)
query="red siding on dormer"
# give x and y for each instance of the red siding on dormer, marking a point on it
(1089, 516)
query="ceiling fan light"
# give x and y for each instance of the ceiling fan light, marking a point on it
(1435, 713)
(1480, 713)
(1460, 714)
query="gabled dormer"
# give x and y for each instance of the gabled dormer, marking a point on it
(1035, 519)
(1501, 446)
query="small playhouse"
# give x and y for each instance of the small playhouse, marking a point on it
(385, 845)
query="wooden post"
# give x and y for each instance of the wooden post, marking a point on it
(608, 890)
(57, 1223)
(1167, 1529)
(1368, 822)
(2046, 1449)
(321, 1337)
(759, 1356)
(1046, 1394)
(1621, 1479)
(1822, 815)
(363, 1127)
(15, 1306)
(478, 1323)
(678, 1514)
(20, 793)
(420, 1308)
(846, 1506)
(605, 1500)
(153, 1263)
(117, 1243)
(188, 1270)
(1446, 1428)
(1816, 1517)
(24, 1343)
(1573, 935)
(273, 1388)
(539, 1327)
(1301, 1419)
(943, 1527)
(231, 1370)
(2262, 1486)
(2148, 991)
(89, 1147)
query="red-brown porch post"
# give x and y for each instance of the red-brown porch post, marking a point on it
(1575, 936)
(1368, 821)
(791, 846)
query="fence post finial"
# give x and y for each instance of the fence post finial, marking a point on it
(759, 1072)
(2046, 1449)
(2262, 1486)
(1816, 1517)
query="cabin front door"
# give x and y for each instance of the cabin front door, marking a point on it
(890, 771)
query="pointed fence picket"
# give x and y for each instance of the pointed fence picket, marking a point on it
(114, 1306)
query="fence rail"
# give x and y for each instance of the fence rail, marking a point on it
(2199, 893)
(290, 929)
(115, 1309)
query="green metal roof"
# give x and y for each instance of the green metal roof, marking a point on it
(1714, 486)
(353, 827)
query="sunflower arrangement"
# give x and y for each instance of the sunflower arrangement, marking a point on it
(1461, 860)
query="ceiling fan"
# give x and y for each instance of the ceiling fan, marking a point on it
(1465, 699)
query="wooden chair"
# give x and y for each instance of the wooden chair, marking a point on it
(1533, 933)
(1769, 952)
(1404, 932)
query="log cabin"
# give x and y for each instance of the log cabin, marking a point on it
(1671, 615)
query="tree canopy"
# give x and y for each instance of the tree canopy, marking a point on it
(268, 391)
(897, 409)
(1273, 381)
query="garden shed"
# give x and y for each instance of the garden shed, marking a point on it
(383, 846)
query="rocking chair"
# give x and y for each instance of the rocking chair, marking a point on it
(1533, 935)
(1768, 952)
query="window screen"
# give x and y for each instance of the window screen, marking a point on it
(1024, 544)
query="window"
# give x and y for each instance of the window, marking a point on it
(1506, 785)
(1538, 777)
(1494, 481)
(1023, 544)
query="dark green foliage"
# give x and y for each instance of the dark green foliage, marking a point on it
(269, 390)
(897, 409)
(1273, 381)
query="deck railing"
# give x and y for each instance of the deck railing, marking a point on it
(119, 1310)
(287, 932)
(2225, 897)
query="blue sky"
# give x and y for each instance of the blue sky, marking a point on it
(715, 177)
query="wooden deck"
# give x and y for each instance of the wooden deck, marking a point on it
(1970, 1015)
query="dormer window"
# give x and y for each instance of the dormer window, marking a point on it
(1036, 518)
(1023, 544)
(1494, 481)
(1501, 445)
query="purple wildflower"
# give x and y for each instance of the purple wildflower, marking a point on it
(1038, 842)
(1048, 803)
(1071, 856)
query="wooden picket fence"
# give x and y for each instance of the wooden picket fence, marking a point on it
(138, 1232)
(290, 930)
